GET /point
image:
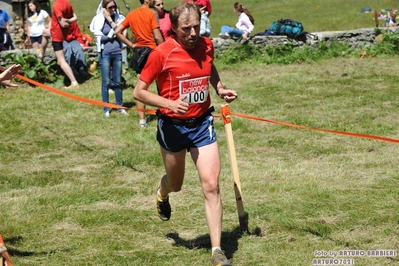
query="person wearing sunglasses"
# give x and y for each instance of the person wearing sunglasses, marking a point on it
(144, 25)
(109, 50)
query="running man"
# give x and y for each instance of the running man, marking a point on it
(183, 67)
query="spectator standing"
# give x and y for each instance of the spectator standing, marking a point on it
(143, 23)
(244, 26)
(205, 29)
(62, 17)
(164, 22)
(205, 3)
(36, 26)
(5, 37)
(185, 122)
(110, 52)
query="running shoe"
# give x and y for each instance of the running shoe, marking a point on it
(163, 208)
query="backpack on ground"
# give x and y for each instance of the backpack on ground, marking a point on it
(291, 28)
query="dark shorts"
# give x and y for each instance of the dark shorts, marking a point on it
(37, 39)
(139, 58)
(57, 46)
(175, 138)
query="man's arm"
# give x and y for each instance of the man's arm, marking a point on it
(221, 90)
(141, 93)
(157, 36)
(119, 34)
(73, 19)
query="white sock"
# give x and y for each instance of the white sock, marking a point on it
(74, 82)
(216, 248)
(159, 194)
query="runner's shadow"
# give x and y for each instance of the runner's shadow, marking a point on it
(229, 240)
(13, 252)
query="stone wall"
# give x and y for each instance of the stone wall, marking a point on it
(355, 38)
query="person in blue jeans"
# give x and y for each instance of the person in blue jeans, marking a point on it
(244, 26)
(110, 52)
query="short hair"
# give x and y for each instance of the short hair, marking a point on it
(176, 11)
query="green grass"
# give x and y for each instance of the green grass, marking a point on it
(77, 188)
(316, 15)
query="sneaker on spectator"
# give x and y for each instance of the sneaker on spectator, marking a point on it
(224, 35)
(219, 259)
(143, 123)
(72, 86)
(122, 111)
(106, 114)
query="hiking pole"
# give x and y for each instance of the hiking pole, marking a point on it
(127, 7)
(234, 167)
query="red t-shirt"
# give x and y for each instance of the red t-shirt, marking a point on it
(61, 9)
(181, 73)
(142, 22)
(206, 3)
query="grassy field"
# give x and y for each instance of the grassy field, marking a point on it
(78, 189)
(316, 15)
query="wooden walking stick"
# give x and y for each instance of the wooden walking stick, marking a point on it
(234, 167)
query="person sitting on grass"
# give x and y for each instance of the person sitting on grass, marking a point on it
(244, 26)
(74, 54)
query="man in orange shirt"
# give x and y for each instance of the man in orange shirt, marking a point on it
(144, 25)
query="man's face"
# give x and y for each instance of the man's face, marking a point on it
(187, 31)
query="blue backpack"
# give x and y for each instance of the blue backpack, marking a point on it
(288, 27)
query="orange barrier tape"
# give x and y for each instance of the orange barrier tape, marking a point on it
(318, 129)
(225, 116)
(78, 98)
(63, 93)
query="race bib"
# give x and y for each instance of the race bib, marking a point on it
(196, 90)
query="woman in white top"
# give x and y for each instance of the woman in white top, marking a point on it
(244, 26)
(38, 34)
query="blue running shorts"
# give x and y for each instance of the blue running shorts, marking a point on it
(174, 138)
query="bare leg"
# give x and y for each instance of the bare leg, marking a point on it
(207, 161)
(44, 44)
(175, 166)
(64, 65)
